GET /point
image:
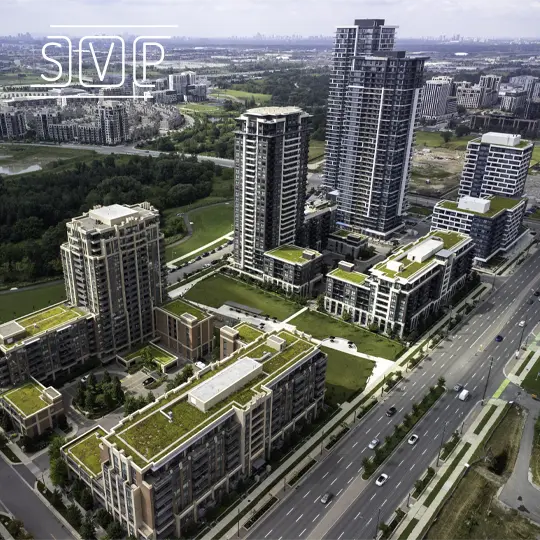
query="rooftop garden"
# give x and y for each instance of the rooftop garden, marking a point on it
(497, 204)
(281, 360)
(86, 451)
(353, 277)
(27, 398)
(152, 352)
(248, 333)
(179, 307)
(343, 233)
(293, 254)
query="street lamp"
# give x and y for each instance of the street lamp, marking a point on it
(442, 441)
(487, 380)
(521, 338)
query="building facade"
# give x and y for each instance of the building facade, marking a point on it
(403, 291)
(435, 96)
(112, 120)
(12, 123)
(271, 154)
(496, 164)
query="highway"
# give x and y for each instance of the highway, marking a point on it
(463, 358)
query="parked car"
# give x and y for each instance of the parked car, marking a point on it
(325, 499)
(373, 444)
(391, 411)
(85, 379)
(381, 480)
(148, 381)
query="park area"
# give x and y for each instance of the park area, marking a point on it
(260, 99)
(316, 150)
(209, 224)
(531, 383)
(322, 326)
(218, 289)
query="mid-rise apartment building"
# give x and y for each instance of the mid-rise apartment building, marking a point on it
(403, 291)
(271, 154)
(494, 223)
(44, 119)
(112, 119)
(496, 164)
(12, 123)
(113, 267)
(470, 96)
(435, 96)
(160, 469)
(503, 123)
(514, 101)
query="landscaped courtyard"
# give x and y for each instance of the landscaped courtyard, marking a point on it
(157, 354)
(322, 326)
(218, 289)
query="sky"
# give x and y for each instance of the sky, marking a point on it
(221, 18)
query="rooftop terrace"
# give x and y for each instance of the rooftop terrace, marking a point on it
(27, 398)
(151, 434)
(497, 205)
(85, 451)
(158, 354)
(356, 278)
(179, 307)
(248, 333)
(292, 254)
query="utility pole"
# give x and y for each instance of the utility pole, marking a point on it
(442, 442)
(487, 380)
(377, 527)
(521, 338)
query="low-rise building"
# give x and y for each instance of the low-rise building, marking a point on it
(347, 243)
(505, 124)
(33, 409)
(46, 344)
(494, 223)
(164, 466)
(184, 329)
(293, 268)
(401, 292)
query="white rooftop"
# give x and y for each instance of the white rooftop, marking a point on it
(475, 204)
(274, 111)
(501, 138)
(425, 250)
(112, 215)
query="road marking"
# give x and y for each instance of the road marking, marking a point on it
(333, 481)
(325, 475)
(368, 431)
(340, 459)
(401, 463)
(475, 388)
(473, 375)
(414, 383)
(348, 465)
(355, 444)
(299, 518)
(379, 432)
(369, 522)
(384, 503)
(399, 484)
(436, 436)
(355, 517)
(447, 407)
(373, 496)
(303, 532)
(424, 451)
(401, 409)
(339, 492)
(338, 538)
(380, 418)
(350, 480)
(427, 431)
(269, 533)
(290, 510)
(412, 467)
(437, 419)
(316, 500)
(316, 517)
(360, 470)
(306, 494)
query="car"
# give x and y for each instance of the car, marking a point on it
(85, 378)
(148, 381)
(412, 439)
(530, 301)
(536, 293)
(198, 258)
(325, 499)
(373, 444)
(499, 338)
(521, 324)
(458, 388)
(381, 480)
(391, 411)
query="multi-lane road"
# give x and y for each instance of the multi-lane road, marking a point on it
(358, 505)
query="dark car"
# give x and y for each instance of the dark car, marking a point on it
(536, 293)
(391, 411)
(499, 338)
(148, 381)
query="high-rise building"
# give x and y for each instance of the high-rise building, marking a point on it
(271, 154)
(366, 36)
(113, 122)
(491, 82)
(435, 96)
(372, 109)
(496, 164)
(12, 123)
(112, 265)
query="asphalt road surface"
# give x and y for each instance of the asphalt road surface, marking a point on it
(173, 277)
(463, 358)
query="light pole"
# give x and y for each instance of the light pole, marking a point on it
(442, 441)
(521, 338)
(487, 380)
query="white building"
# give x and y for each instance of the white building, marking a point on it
(435, 97)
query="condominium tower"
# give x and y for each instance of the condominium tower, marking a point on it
(113, 122)
(113, 267)
(372, 108)
(435, 97)
(271, 153)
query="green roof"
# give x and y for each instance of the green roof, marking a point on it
(356, 278)
(179, 307)
(47, 319)
(343, 233)
(27, 398)
(522, 144)
(149, 436)
(248, 333)
(86, 451)
(498, 204)
(293, 254)
(450, 239)
(157, 353)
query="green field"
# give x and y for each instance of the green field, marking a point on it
(322, 326)
(209, 224)
(26, 155)
(18, 303)
(12, 79)
(261, 99)
(203, 108)
(434, 140)
(345, 375)
(420, 210)
(531, 383)
(217, 289)
(316, 150)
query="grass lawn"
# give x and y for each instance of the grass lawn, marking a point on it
(260, 99)
(345, 375)
(434, 140)
(18, 303)
(209, 224)
(203, 108)
(158, 355)
(32, 155)
(535, 455)
(217, 289)
(322, 326)
(248, 333)
(87, 452)
(316, 150)
(179, 307)
(531, 383)
(26, 398)
(420, 210)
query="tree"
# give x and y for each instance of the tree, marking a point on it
(103, 518)
(441, 381)
(86, 500)
(446, 136)
(54, 447)
(118, 391)
(115, 530)
(106, 378)
(188, 371)
(320, 303)
(462, 130)
(15, 527)
(59, 472)
(346, 316)
(150, 398)
(80, 397)
(419, 485)
(90, 401)
(108, 398)
(56, 497)
(88, 530)
(74, 516)
(92, 381)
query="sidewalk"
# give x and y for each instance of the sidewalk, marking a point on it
(274, 484)
(198, 250)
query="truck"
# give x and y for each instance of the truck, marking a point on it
(464, 395)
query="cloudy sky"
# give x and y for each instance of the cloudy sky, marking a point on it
(284, 17)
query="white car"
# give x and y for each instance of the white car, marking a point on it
(412, 439)
(381, 480)
(373, 444)
(521, 324)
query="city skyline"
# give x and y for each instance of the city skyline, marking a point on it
(232, 17)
